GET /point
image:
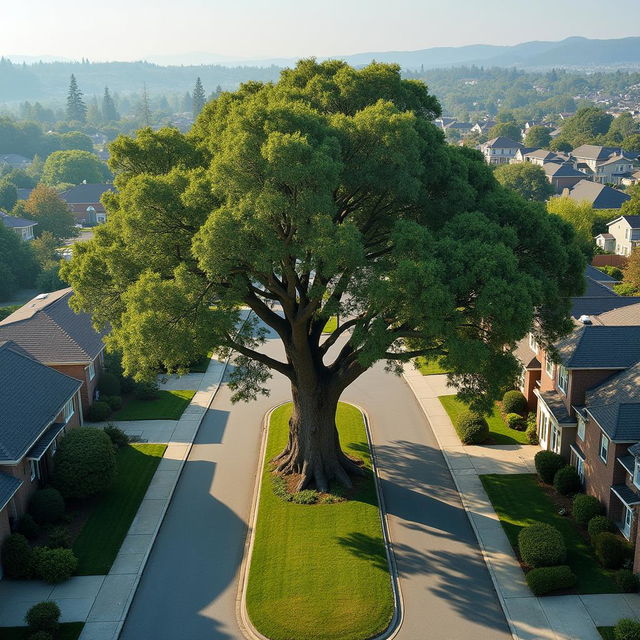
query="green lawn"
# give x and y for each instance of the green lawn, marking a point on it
(67, 631)
(320, 571)
(429, 367)
(103, 533)
(332, 325)
(499, 432)
(607, 633)
(519, 501)
(169, 405)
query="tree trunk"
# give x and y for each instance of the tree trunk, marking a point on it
(313, 450)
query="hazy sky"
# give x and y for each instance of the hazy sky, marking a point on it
(135, 29)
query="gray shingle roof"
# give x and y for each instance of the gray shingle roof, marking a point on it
(594, 152)
(51, 332)
(40, 447)
(599, 276)
(593, 306)
(86, 193)
(633, 221)
(8, 487)
(502, 142)
(554, 402)
(599, 347)
(628, 315)
(599, 196)
(620, 421)
(561, 170)
(13, 222)
(31, 396)
(626, 494)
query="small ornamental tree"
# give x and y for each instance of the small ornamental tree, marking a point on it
(328, 192)
(525, 178)
(84, 463)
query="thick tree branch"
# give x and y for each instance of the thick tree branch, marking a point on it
(272, 363)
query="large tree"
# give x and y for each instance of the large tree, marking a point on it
(76, 108)
(525, 178)
(537, 137)
(329, 192)
(585, 126)
(506, 129)
(199, 97)
(109, 111)
(47, 208)
(74, 167)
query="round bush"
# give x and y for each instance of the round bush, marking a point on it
(515, 402)
(472, 428)
(17, 557)
(515, 421)
(585, 507)
(548, 579)
(548, 464)
(99, 411)
(627, 581)
(117, 436)
(611, 550)
(532, 434)
(566, 481)
(115, 402)
(43, 616)
(146, 390)
(85, 463)
(627, 629)
(55, 565)
(109, 384)
(47, 506)
(28, 527)
(59, 538)
(541, 545)
(599, 524)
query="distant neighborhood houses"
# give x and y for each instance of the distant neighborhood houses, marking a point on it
(21, 226)
(84, 201)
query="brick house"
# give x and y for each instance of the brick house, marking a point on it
(84, 201)
(52, 333)
(38, 405)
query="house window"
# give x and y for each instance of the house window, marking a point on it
(548, 366)
(563, 379)
(544, 426)
(581, 428)
(533, 344)
(636, 473)
(628, 521)
(35, 469)
(92, 372)
(580, 468)
(604, 448)
(68, 410)
(554, 444)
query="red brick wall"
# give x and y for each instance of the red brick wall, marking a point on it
(581, 380)
(5, 529)
(81, 372)
(531, 377)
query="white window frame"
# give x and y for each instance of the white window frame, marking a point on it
(533, 343)
(582, 428)
(636, 473)
(627, 521)
(555, 438)
(549, 366)
(544, 428)
(68, 411)
(563, 379)
(92, 371)
(34, 467)
(604, 438)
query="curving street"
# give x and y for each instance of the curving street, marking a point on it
(189, 587)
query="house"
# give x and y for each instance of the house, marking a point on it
(21, 226)
(13, 161)
(603, 164)
(38, 405)
(84, 202)
(622, 237)
(500, 150)
(462, 128)
(606, 242)
(482, 128)
(599, 196)
(52, 333)
(443, 122)
(632, 179)
(562, 176)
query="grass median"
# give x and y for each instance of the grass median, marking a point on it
(168, 405)
(320, 571)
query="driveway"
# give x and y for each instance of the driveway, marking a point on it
(189, 587)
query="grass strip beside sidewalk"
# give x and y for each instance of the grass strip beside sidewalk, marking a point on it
(320, 571)
(169, 405)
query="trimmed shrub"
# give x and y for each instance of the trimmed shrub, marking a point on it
(541, 545)
(146, 390)
(548, 464)
(40, 635)
(99, 411)
(59, 538)
(115, 402)
(17, 557)
(515, 402)
(109, 384)
(47, 506)
(627, 629)
(611, 550)
(55, 565)
(627, 580)
(548, 579)
(28, 527)
(599, 524)
(43, 616)
(584, 508)
(566, 481)
(515, 421)
(85, 463)
(472, 428)
(117, 436)
(532, 434)
(306, 496)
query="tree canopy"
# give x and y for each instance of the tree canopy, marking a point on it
(18, 266)
(76, 108)
(47, 208)
(525, 178)
(507, 129)
(329, 192)
(199, 98)
(74, 167)
(585, 126)
(537, 137)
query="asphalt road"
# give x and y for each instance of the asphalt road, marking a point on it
(188, 589)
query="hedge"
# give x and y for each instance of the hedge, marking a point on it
(627, 581)
(17, 557)
(627, 629)
(611, 550)
(54, 565)
(599, 524)
(515, 421)
(566, 481)
(541, 545)
(99, 411)
(546, 579)
(471, 428)
(584, 508)
(548, 464)
(515, 402)
(109, 384)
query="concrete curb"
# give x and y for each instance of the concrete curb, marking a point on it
(483, 550)
(244, 622)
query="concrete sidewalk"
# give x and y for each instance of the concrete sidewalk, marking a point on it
(550, 618)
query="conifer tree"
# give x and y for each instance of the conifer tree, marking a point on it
(109, 112)
(76, 108)
(199, 98)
